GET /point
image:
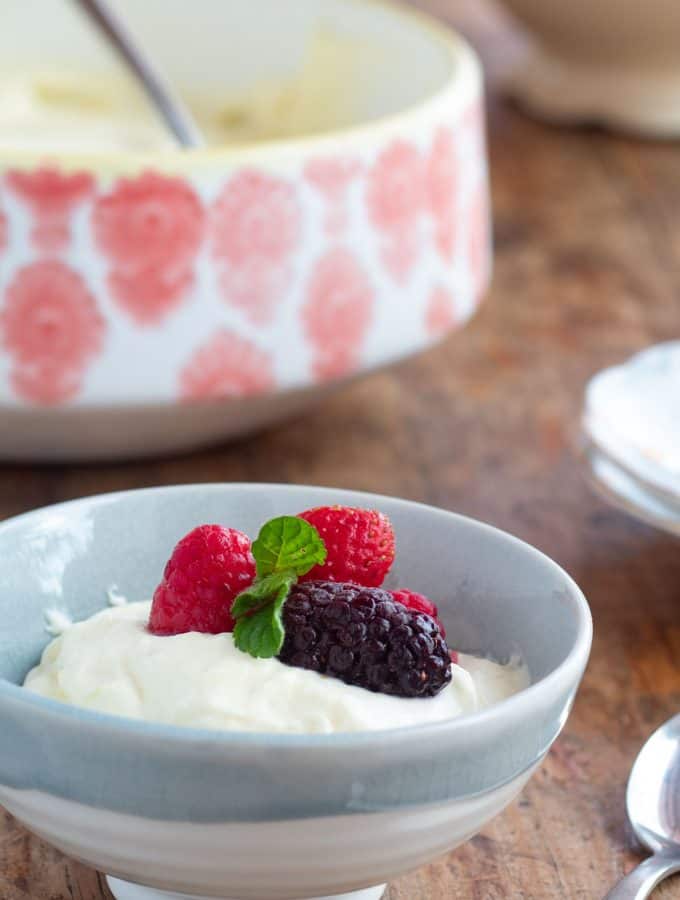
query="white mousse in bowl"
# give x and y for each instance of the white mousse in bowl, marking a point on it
(113, 663)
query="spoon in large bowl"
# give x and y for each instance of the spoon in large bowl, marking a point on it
(653, 805)
(169, 107)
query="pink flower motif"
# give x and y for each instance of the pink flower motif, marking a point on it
(395, 199)
(45, 383)
(149, 221)
(226, 366)
(52, 198)
(256, 217)
(337, 313)
(479, 240)
(395, 187)
(255, 228)
(254, 287)
(440, 316)
(441, 181)
(148, 294)
(150, 228)
(330, 174)
(52, 329)
(332, 178)
(400, 252)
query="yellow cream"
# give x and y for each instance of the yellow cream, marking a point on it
(71, 110)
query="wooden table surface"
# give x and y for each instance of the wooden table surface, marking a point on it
(586, 272)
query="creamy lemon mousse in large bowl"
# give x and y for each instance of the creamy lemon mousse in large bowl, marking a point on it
(154, 299)
(273, 692)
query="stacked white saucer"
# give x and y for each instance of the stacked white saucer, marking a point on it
(631, 430)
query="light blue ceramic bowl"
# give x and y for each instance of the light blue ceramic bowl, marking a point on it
(272, 817)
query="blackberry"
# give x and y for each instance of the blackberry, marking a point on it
(364, 637)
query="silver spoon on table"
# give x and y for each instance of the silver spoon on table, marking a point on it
(170, 108)
(653, 805)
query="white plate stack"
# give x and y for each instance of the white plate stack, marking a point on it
(631, 429)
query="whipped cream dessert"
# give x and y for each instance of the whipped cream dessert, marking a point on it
(292, 632)
(112, 663)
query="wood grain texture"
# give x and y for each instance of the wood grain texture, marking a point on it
(586, 273)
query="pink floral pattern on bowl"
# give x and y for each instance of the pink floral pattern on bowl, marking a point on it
(332, 178)
(441, 186)
(256, 226)
(241, 278)
(51, 329)
(52, 198)
(337, 313)
(149, 229)
(395, 193)
(478, 239)
(226, 366)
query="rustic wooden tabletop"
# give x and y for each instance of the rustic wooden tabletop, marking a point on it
(586, 272)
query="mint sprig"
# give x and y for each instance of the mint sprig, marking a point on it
(286, 548)
(257, 610)
(288, 544)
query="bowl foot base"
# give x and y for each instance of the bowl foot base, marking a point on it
(125, 890)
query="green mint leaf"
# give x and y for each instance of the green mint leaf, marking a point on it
(288, 544)
(286, 548)
(262, 592)
(259, 630)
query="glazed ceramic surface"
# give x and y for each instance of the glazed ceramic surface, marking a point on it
(151, 282)
(620, 487)
(273, 817)
(632, 411)
(608, 61)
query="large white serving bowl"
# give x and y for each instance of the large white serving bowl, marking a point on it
(152, 301)
(269, 816)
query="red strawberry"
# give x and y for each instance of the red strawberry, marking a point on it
(420, 603)
(359, 544)
(207, 569)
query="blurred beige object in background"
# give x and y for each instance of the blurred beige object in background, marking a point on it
(612, 62)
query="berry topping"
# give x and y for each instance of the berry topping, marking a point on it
(206, 571)
(364, 637)
(420, 603)
(342, 625)
(359, 544)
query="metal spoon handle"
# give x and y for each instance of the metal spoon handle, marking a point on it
(173, 112)
(640, 883)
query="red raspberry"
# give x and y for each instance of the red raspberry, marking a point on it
(420, 603)
(359, 543)
(207, 569)
(413, 600)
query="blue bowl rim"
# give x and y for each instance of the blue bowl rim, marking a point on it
(564, 677)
